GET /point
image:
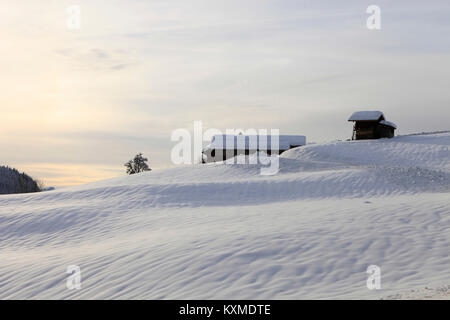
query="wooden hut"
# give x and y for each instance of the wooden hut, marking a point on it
(371, 125)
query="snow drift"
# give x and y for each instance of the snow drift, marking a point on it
(222, 231)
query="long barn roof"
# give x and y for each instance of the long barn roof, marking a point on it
(256, 142)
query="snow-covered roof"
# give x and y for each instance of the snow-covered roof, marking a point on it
(255, 142)
(388, 123)
(366, 116)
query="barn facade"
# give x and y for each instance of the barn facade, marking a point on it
(223, 147)
(371, 125)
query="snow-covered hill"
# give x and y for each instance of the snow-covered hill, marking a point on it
(222, 231)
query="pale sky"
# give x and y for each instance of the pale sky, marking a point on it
(77, 104)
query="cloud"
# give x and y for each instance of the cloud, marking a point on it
(97, 59)
(120, 66)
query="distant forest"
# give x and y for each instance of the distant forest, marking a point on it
(12, 181)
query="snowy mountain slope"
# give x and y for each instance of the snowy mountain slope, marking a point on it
(225, 231)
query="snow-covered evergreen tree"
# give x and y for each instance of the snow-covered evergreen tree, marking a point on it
(138, 164)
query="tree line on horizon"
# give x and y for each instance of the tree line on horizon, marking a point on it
(13, 181)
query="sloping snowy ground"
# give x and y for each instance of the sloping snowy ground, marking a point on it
(222, 231)
(440, 293)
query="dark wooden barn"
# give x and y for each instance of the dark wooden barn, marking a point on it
(371, 125)
(223, 147)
